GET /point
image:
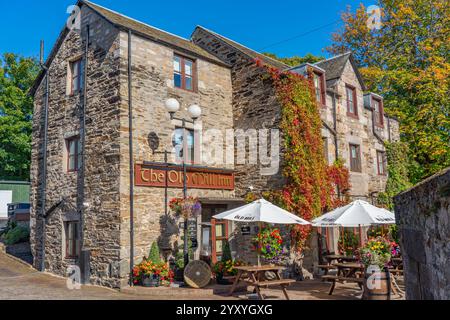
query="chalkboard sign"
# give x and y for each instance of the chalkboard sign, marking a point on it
(192, 229)
(245, 231)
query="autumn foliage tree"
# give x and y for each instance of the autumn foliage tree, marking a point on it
(407, 61)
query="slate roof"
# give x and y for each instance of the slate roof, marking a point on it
(151, 32)
(247, 51)
(334, 67)
(123, 22)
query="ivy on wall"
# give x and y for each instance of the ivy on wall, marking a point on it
(311, 183)
(398, 179)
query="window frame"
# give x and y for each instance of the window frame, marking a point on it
(75, 240)
(80, 83)
(185, 146)
(76, 140)
(321, 77)
(379, 123)
(355, 101)
(182, 72)
(383, 163)
(358, 166)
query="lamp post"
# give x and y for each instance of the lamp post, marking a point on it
(173, 106)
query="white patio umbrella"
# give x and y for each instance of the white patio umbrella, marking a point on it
(359, 214)
(356, 214)
(261, 211)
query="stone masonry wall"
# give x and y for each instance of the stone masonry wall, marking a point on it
(101, 227)
(152, 85)
(255, 106)
(423, 218)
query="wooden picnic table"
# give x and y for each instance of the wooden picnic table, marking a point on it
(255, 276)
(349, 269)
(348, 272)
(340, 258)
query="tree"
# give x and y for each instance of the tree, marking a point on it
(407, 61)
(17, 75)
(296, 60)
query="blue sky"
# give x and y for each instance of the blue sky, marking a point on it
(264, 26)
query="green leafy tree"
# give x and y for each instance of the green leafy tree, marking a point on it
(17, 75)
(407, 61)
(295, 60)
(154, 255)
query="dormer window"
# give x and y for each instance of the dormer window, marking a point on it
(319, 87)
(378, 111)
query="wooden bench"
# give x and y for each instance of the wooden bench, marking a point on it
(326, 267)
(274, 282)
(334, 279)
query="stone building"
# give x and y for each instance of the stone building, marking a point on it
(423, 218)
(100, 182)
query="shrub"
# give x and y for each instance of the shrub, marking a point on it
(154, 254)
(226, 255)
(17, 235)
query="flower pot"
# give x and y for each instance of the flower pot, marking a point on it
(377, 286)
(151, 281)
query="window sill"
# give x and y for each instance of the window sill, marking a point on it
(71, 259)
(352, 115)
(185, 90)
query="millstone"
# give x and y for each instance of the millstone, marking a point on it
(197, 274)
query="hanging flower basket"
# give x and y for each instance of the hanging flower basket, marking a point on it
(189, 207)
(269, 244)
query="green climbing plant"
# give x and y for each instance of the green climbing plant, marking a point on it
(398, 169)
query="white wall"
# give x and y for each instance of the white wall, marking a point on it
(5, 198)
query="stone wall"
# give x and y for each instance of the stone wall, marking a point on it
(423, 218)
(101, 225)
(152, 85)
(359, 131)
(255, 106)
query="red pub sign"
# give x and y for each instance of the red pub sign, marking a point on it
(154, 175)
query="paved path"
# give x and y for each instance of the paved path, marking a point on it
(19, 281)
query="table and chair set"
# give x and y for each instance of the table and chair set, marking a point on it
(347, 269)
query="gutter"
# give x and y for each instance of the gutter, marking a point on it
(334, 132)
(46, 71)
(83, 153)
(130, 135)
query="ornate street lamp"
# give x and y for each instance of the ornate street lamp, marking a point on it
(173, 106)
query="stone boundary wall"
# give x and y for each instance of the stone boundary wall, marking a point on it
(423, 219)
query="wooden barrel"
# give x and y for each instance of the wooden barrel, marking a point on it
(377, 286)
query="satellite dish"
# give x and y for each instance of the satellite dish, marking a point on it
(153, 141)
(197, 274)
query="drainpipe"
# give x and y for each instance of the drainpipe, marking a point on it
(83, 153)
(334, 132)
(130, 135)
(44, 157)
(336, 145)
